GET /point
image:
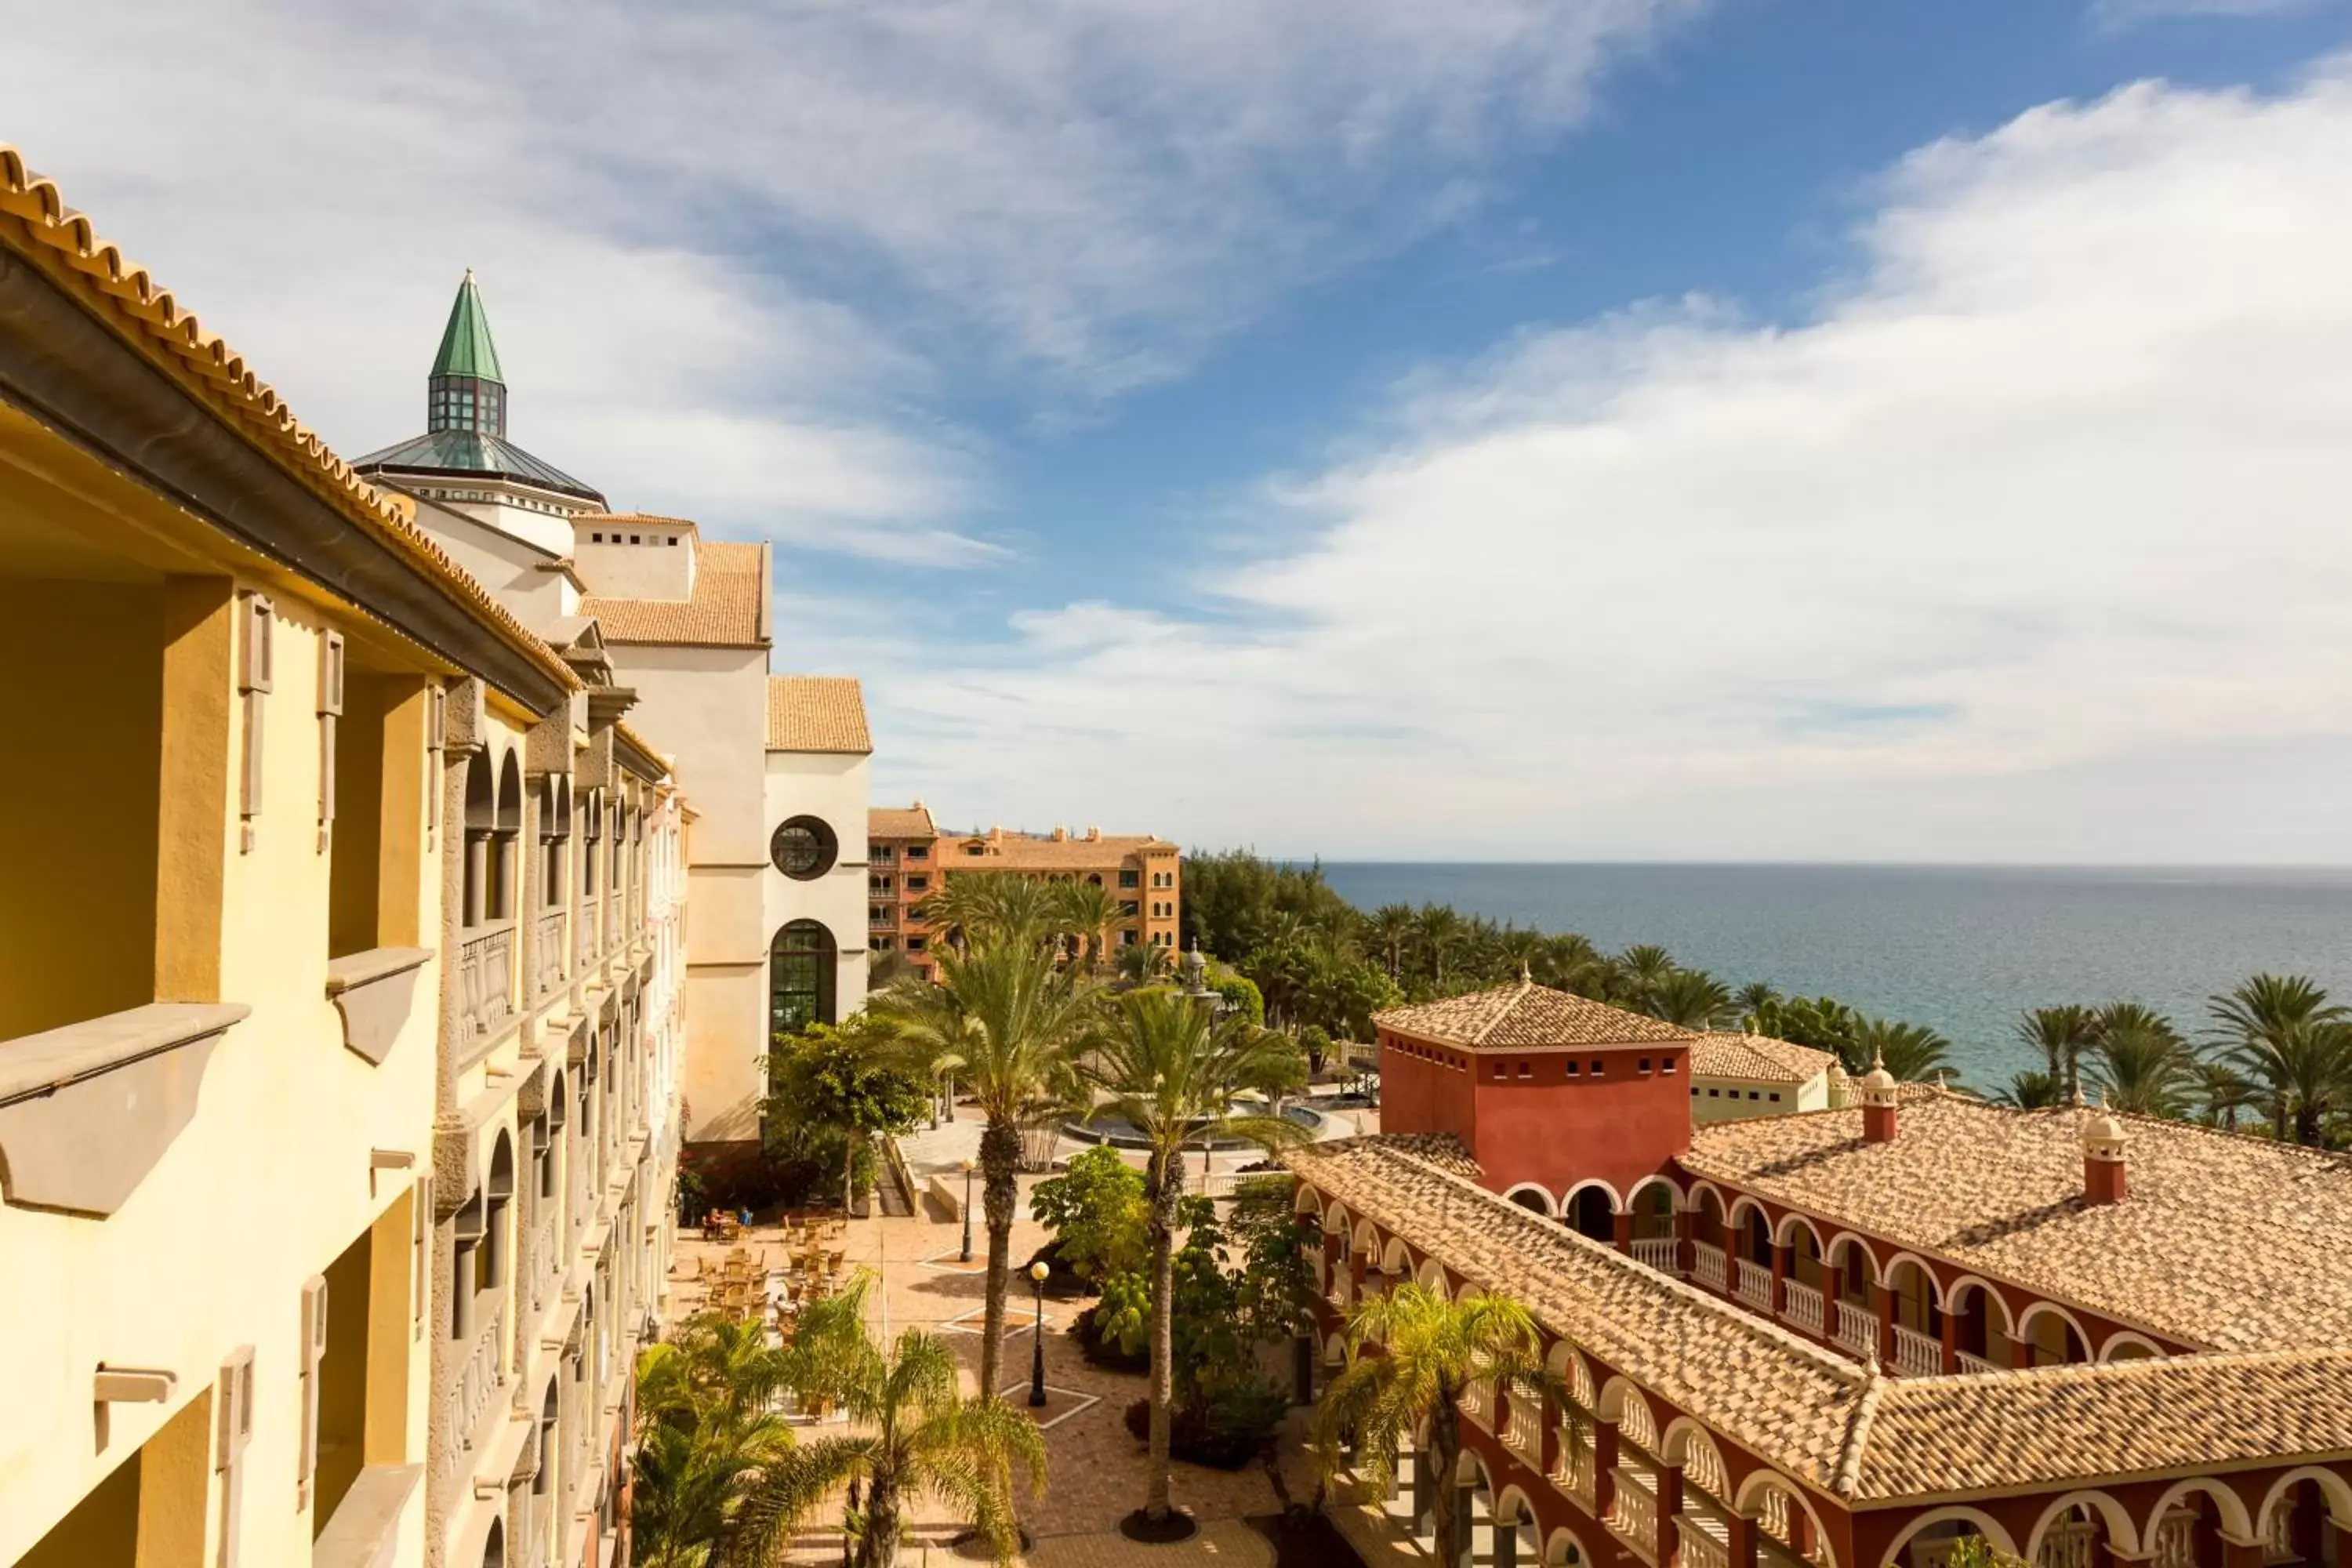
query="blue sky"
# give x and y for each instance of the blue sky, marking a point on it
(1599, 428)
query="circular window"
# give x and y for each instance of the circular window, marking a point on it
(804, 848)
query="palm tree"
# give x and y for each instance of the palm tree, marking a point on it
(2142, 1065)
(2223, 1092)
(1911, 1052)
(1390, 929)
(708, 1425)
(1754, 997)
(2031, 1091)
(1566, 959)
(1001, 904)
(1644, 968)
(1172, 1069)
(1086, 912)
(2062, 1035)
(1437, 933)
(1007, 1020)
(916, 1434)
(1140, 962)
(2284, 1034)
(1431, 1349)
(1689, 997)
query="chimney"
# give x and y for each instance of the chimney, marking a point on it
(1093, 834)
(2104, 1172)
(1878, 1087)
(1061, 834)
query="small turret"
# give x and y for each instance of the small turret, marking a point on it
(1878, 1099)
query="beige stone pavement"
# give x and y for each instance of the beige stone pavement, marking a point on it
(1096, 1470)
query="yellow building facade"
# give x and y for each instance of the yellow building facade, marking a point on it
(340, 1016)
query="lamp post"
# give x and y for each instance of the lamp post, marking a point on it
(967, 1213)
(1037, 1359)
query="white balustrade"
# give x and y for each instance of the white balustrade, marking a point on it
(484, 1373)
(2176, 1540)
(1975, 1363)
(485, 985)
(2067, 1544)
(1660, 1252)
(584, 929)
(1523, 1429)
(1916, 1354)
(2278, 1534)
(1701, 1548)
(1710, 1266)
(547, 955)
(1633, 1513)
(1572, 1469)
(1478, 1404)
(1802, 1304)
(1755, 1285)
(1857, 1329)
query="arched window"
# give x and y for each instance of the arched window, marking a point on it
(1590, 1214)
(805, 848)
(481, 823)
(800, 978)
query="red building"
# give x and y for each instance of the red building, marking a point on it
(1849, 1338)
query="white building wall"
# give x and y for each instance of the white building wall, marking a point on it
(831, 786)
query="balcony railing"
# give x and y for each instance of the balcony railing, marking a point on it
(1478, 1404)
(1572, 1470)
(1975, 1363)
(547, 1254)
(1633, 1514)
(584, 929)
(2175, 1538)
(1701, 1547)
(2068, 1546)
(484, 1373)
(1803, 1307)
(484, 985)
(1661, 1253)
(1710, 1266)
(2278, 1539)
(1524, 1429)
(547, 955)
(1858, 1329)
(1916, 1354)
(1755, 1285)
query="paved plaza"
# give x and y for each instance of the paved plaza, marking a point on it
(1096, 1469)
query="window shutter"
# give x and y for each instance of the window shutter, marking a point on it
(253, 685)
(232, 1430)
(437, 740)
(420, 1262)
(331, 711)
(314, 1350)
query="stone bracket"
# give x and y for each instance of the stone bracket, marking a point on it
(373, 992)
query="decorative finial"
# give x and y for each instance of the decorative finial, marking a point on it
(1941, 1086)
(1877, 1058)
(2076, 1098)
(1524, 977)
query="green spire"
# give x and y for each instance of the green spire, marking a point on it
(466, 346)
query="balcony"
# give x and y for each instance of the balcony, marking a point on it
(1710, 1267)
(1976, 1363)
(484, 988)
(1857, 1329)
(1661, 1253)
(1523, 1427)
(1916, 1354)
(547, 955)
(1573, 1470)
(1801, 1306)
(1755, 1286)
(1705, 1543)
(477, 1383)
(1633, 1511)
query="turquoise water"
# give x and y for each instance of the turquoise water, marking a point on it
(1962, 949)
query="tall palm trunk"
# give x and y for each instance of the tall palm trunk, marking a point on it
(1166, 1180)
(1000, 1159)
(880, 1549)
(1445, 1456)
(2307, 1123)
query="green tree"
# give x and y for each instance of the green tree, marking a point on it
(1389, 930)
(1172, 1069)
(915, 1435)
(2031, 1091)
(1431, 1350)
(1642, 969)
(1342, 993)
(2285, 1034)
(2062, 1035)
(997, 905)
(1911, 1052)
(1754, 997)
(2141, 1064)
(1240, 992)
(1096, 1210)
(708, 1425)
(1140, 963)
(2221, 1092)
(1437, 935)
(1084, 911)
(842, 1086)
(1821, 1022)
(1689, 997)
(1008, 1021)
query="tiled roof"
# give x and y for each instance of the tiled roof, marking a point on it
(1757, 1057)
(1818, 1417)
(1527, 1014)
(731, 588)
(1756, 1384)
(900, 822)
(451, 453)
(2236, 1244)
(816, 713)
(62, 244)
(1037, 852)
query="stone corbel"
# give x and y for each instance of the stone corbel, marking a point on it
(86, 1110)
(374, 991)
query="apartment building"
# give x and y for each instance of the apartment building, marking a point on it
(340, 1001)
(678, 627)
(910, 857)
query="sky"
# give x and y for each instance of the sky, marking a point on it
(1507, 429)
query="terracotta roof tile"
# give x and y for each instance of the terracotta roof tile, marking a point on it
(1039, 852)
(900, 822)
(1757, 1057)
(2232, 1242)
(730, 587)
(816, 713)
(62, 244)
(1524, 1015)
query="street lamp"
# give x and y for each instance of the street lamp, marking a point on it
(1038, 1360)
(967, 1212)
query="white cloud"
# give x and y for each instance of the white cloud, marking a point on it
(1077, 194)
(2045, 508)
(2117, 15)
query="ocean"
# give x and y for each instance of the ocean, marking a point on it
(1963, 950)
